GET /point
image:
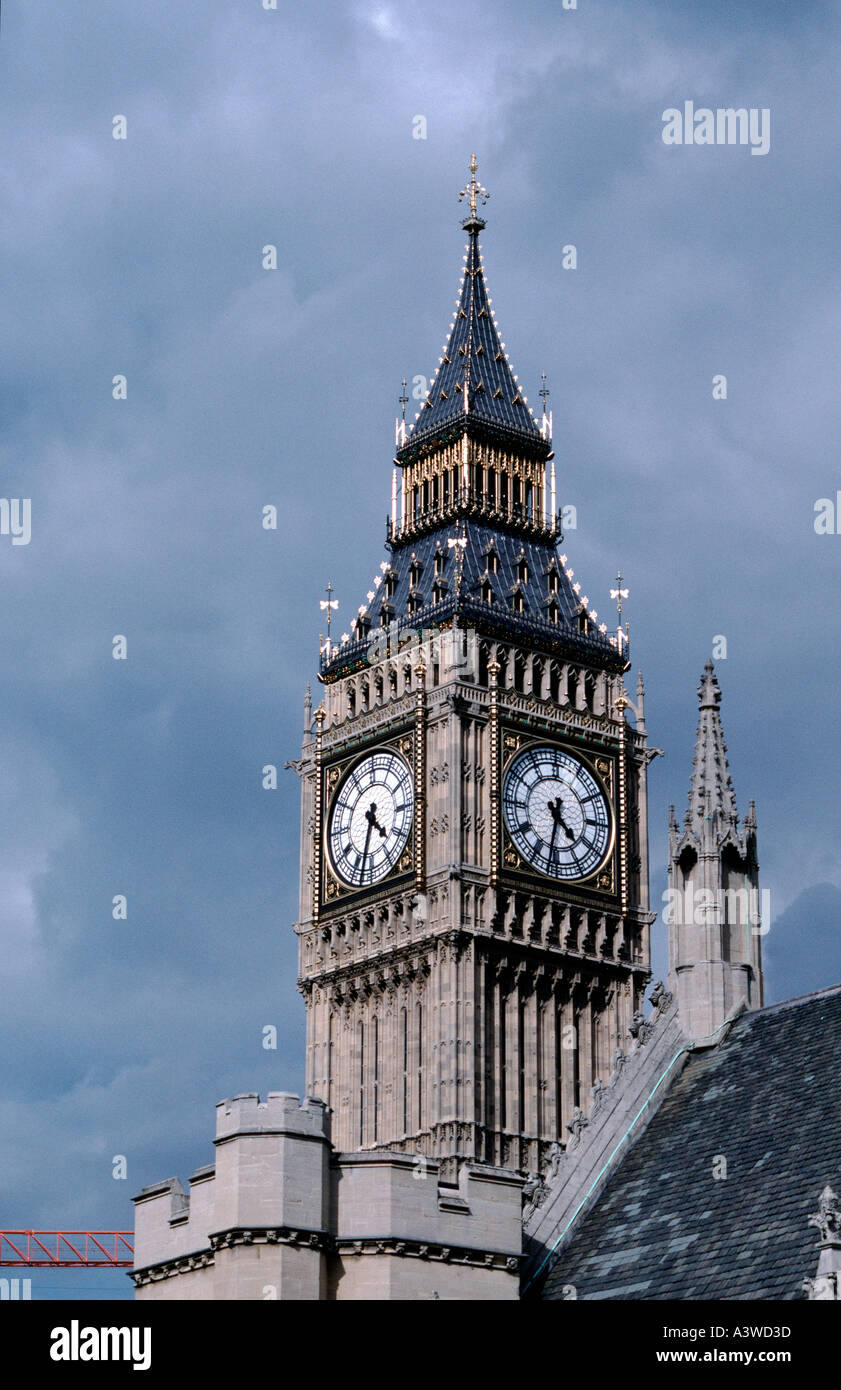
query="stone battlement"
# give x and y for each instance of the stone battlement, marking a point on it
(280, 1215)
(282, 1112)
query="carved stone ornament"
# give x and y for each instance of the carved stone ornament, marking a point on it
(826, 1286)
(659, 997)
(555, 1159)
(577, 1124)
(828, 1216)
(534, 1193)
(639, 1029)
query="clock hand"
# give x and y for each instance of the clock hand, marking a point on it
(371, 818)
(556, 807)
(373, 823)
(552, 840)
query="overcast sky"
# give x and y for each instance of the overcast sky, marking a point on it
(247, 387)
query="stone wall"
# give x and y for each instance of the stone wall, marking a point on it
(281, 1216)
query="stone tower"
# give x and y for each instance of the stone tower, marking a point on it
(715, 961)
(474, 914)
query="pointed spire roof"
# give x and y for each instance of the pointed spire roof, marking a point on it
(711, 787)
(474, 383)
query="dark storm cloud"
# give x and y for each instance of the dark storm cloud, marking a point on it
(248, 387)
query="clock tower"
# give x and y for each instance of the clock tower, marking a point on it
(474, 913)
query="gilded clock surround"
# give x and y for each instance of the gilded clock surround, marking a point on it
(333, 774)
(602, 878)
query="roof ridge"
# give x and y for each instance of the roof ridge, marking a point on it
(796, 1001)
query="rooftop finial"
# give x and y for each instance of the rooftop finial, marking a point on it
(710, 771)
(459, 545)
(400, 425)
(709, 690)
(473, 190)
(546, 422)
(619, 593)
(328, 606)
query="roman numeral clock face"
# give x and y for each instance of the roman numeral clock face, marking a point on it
(556, 813)
(371, 819)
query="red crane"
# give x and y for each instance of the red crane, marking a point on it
(66, 1249)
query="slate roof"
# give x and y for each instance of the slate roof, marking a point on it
(509, 551)
(768, 1099)
(535, 623)
(475, 382)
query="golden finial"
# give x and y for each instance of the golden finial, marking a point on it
(473, 190)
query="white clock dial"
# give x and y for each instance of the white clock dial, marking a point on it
(556, 813)
(371, 819)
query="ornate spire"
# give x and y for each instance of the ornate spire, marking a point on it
(711, 787)
(715, 910)
(474, 377)
(473, 528)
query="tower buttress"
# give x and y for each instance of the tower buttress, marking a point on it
(715, 961)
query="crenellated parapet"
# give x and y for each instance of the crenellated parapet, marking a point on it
(282, 1215)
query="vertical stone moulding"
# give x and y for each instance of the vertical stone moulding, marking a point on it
(493, 791)
(420, 778)
(317, 829)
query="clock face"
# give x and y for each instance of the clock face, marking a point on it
(556, 813)
(371, 819)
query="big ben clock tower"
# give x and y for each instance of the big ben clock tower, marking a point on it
(474, 911)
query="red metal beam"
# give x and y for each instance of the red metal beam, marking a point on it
(66, 1249)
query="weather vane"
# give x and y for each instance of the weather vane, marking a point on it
(403, 398)
(619, 593)
(473, 188)
(328, 605)
(546, 422)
